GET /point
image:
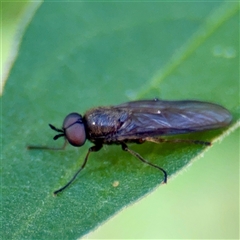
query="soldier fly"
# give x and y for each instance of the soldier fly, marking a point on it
(137, 122)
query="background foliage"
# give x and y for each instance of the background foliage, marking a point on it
(74, 56)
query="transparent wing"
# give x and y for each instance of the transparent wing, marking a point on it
(156, 117)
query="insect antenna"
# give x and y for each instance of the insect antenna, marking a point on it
(55, 129)
(31, 147)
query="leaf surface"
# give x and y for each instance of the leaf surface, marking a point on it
(74, 56)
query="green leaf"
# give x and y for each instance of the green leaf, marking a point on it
(74, 56)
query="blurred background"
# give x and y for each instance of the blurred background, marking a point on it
(198, 203)
(12, 15)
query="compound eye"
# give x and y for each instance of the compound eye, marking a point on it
(74, 129)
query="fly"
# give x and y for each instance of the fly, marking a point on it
(138, 122)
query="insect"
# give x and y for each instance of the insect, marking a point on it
(137, 122)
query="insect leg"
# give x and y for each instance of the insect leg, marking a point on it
(47, 148)
(91, 149)
(137, 155)
(62, 134)
(162, 140)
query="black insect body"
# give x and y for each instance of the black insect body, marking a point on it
(137, 122)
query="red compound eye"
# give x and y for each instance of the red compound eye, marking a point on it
(74, 129)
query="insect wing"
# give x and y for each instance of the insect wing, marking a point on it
(156, 117)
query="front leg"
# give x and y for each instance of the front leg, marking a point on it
(94, 148)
